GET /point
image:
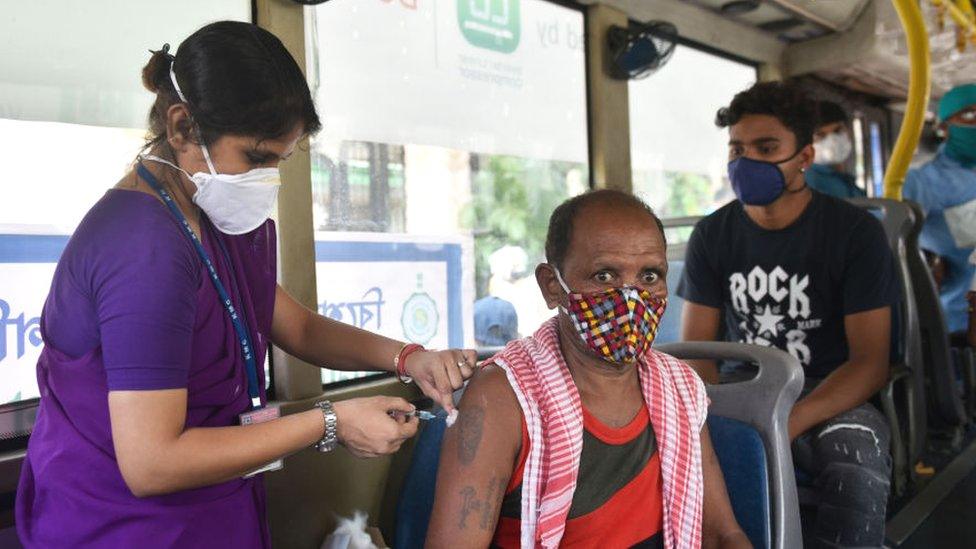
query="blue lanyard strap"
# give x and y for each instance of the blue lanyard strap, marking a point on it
(235, 317)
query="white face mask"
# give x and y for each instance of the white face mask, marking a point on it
(834, 149)
(235, 203)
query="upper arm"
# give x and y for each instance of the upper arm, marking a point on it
(869, 336)
(700, 282)
(289, 321)
(870, 279)
(477, 459)
(144, 289)
(916, 190)
(701, 323)
(143, 423)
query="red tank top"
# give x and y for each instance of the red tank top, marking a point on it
(618, 498)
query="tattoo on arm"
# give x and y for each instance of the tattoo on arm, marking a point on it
(469, 503)
(470, 428)
(486, 510)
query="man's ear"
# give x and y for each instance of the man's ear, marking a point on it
(179, 128)
(552, 292)
(807, 154)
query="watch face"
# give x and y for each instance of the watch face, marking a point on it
(328, 446)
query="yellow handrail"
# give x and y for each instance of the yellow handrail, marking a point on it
(961, 12)
(919, 87)
(964, 15)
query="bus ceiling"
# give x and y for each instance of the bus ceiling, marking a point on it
(858, 44)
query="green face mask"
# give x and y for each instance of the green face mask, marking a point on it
(961, 145)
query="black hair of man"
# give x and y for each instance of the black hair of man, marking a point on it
(785, 101)
(563, 218)
(829, 112)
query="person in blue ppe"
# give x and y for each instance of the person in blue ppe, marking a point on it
(946, 190)
(833, 146)
(495, 322)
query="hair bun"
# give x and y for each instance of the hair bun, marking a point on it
(156, 70)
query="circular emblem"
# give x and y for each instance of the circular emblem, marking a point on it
(419, 318)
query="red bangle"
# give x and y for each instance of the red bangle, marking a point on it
(400, 361)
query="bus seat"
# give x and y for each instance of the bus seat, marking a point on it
(751, 440)
(743, 459)
(906, 416)
(416, 500)
(946, 408)
(669, 330)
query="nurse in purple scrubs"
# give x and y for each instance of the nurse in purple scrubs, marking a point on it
(163, 304)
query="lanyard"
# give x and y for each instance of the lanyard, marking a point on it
(235, 317)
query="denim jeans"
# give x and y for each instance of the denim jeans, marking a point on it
(849, 461)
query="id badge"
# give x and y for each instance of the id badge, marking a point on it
(260, 416)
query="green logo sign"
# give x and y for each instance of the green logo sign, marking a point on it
(491, 24)
(419, 317)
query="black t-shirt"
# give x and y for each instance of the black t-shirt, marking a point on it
(791, 288)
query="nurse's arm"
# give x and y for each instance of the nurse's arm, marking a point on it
(325, 342)
(477, 458)
(158, 455)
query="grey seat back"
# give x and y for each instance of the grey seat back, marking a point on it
(670, 329)
(764, 403)
(899, 222)
(945, 405)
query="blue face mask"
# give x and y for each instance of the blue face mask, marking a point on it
(961, 145)
(757, 182)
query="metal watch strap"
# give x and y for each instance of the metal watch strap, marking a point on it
(330, 439)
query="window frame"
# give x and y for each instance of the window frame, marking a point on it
(722, 54)
(17, 418)
(23, 412)
(587, 70)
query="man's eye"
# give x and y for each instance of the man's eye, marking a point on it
(650, 278)
(735, 153)
(604, 276)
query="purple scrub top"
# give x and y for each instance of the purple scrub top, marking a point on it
(131, 308)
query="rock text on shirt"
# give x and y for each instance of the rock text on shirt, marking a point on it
(773, 309)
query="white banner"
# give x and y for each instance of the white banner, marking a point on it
(23, 289)
(486, 76)
(412, 288)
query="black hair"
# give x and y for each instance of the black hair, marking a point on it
(829, 112)
(238, 79)
(563, 218)
(785, 101)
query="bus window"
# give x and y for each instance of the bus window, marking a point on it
(452, 130)
(679, 156)
(877, 160)
(860, 166)
(72, 119)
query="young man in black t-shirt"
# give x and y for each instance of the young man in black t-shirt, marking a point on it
(812, 275)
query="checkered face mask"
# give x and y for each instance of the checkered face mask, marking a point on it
(618, 324)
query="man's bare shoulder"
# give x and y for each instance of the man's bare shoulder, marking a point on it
(489, 397)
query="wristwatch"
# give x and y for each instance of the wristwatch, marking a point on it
(330, 439)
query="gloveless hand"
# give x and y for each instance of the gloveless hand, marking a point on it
(366, 427)
(440, 373)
